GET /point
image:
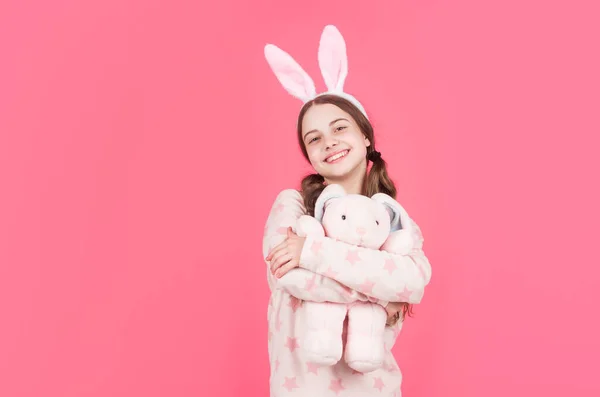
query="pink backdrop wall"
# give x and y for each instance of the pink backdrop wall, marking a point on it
(130, 259)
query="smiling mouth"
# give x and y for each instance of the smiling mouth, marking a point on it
(337, 157)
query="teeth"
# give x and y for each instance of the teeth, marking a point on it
(337, 156)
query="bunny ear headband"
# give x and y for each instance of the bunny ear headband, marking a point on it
(333, 63)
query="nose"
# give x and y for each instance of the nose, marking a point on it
(331, 142)
(361, 231)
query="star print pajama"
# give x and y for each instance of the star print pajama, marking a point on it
(333, 271)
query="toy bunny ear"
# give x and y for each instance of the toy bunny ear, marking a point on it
(327, 196)
(399, 218)
(333, 60)
(289, 73)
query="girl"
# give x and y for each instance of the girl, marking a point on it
(337, 139)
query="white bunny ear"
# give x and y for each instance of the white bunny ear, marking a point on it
(329, 194)
(289, 73)
(333, 60)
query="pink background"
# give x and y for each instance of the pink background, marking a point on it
(130, 240)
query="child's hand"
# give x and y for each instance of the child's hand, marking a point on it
(286, 255)
(393, 310)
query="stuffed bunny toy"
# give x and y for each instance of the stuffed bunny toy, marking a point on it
(378, 222)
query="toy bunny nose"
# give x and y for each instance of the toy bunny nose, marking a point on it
(361, 231)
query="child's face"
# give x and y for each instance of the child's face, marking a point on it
(335, 145)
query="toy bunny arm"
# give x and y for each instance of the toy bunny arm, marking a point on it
(301, 283)
(379, 274)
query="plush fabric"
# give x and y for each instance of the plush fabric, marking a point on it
(374, 223)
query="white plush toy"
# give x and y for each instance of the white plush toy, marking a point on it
(378, 222)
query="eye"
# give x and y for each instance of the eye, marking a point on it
(377, 222)
(312, 140)
(340, 128)
(343, 217)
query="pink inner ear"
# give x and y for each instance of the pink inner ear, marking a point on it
(334, 68)
(291, 74)
(332, 57)
(294, 75)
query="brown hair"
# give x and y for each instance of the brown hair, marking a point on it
(377, 179)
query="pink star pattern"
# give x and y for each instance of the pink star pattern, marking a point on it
(312, 367)
(367, 286)
(353, 257)
(316, 247)
(294, 303)
(283, 307)
(290, 383)
(390, 265)
(292, 344)
(330, 273)
(404, 296)
(378, 384)
(392, 368)
(389, 367)
(336, 386)
(310, 283)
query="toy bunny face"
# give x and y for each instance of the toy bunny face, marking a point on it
(358, 220)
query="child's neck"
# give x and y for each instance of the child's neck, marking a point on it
(352, 184)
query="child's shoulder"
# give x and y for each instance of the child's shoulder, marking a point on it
(289, 198)
(290, 193)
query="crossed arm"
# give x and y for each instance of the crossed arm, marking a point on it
(333, 271)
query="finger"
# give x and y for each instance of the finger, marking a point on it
(275, 250)
(292, 233)
(280, 260)
(283, 261)
(275, 260)
(286, 268)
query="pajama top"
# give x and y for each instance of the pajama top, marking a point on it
(333, 271)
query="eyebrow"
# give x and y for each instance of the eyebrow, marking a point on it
(330, 124)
